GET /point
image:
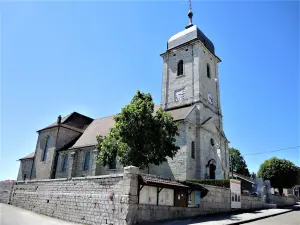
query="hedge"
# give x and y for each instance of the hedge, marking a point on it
(220, 183)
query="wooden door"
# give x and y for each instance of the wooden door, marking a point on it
(180, 198)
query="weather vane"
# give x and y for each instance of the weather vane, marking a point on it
(190, 15)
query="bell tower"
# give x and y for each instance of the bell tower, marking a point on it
(190, 78)
(190, 70)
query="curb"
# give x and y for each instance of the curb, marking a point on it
(259, 218)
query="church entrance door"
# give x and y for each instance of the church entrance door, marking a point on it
(212, 171)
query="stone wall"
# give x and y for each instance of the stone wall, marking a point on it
(283, 200)
(216, 200)
(251, 202)
(5, 191)
(113, 199)
(86, 200)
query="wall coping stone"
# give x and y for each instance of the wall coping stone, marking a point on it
(73, 178)
(99, 177)
(39, 181)
(212, 186)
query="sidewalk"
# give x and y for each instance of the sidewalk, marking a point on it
(226, 219)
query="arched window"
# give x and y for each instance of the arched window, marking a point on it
(193, 153)
(113, 165)
(46, 148)
(212, 142)
(207, 71)
(180, 68)
(64, 163)
(86, 165)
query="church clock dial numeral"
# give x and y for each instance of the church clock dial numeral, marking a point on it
(179, 95)
(210, 98)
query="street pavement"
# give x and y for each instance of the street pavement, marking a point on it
(291, 218)
(11, 215)
(227, 219)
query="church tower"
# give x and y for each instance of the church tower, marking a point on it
(190, 78)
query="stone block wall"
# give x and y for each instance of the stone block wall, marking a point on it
(283, 200)
(250, 202)
(113, 199)
(5, 191)
(216, 200)
(86, 200)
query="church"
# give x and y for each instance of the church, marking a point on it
(190, 93)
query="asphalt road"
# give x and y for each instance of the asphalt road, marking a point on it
(11, 215)
(291, 218)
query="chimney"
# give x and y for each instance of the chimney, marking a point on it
(59, 119)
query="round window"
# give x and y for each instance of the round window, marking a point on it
(212, 142)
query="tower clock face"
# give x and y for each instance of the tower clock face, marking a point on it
(179, 95)
(210, 98)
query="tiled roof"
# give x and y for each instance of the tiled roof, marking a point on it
(30, 156)
(101, 126)
(97, 127)
(148, 179)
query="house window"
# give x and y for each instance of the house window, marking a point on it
(87, 157)
(64, 163)
(193, 149)
(46, 149)
(207, 71)
(180, 68)
(113, 165)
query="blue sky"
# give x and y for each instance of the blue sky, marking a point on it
(91, 58)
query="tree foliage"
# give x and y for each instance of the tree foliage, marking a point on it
(281, 172)
(238, 163)
(140, 136)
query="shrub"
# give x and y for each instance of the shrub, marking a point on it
(220, 183)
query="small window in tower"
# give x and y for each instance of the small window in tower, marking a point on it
(180, 68)
(193, 149)
(207, 71)
(212, 142)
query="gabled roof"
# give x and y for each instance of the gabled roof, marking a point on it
(30, 156)
(97, 127)
(65, 122)
(102, 126)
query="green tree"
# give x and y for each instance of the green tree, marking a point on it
(237, 162)
(281, 172)
(140, 136)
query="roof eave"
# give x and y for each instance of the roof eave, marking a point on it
(187, 43)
